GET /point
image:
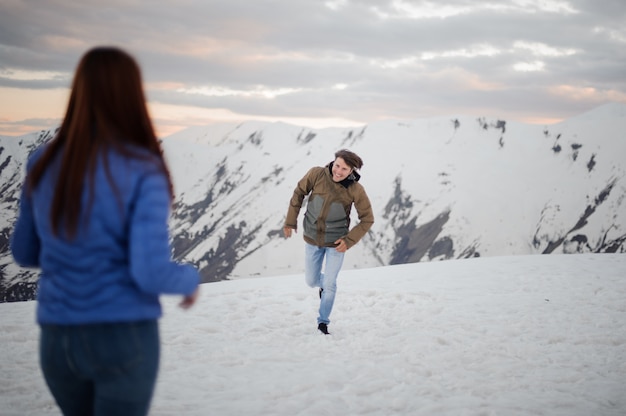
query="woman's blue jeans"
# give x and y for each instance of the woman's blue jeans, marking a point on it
(314, 258)
(101, 369)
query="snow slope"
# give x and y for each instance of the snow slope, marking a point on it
(510, 335)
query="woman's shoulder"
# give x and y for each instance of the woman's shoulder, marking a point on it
(36, 155)
(137, 159)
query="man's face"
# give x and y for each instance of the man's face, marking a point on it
(340, 170)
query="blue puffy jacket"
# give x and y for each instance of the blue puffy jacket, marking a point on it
(120, 260)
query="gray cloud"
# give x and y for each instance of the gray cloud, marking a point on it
(402, 59)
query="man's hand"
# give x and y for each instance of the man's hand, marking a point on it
(341, 246)
(287, 231)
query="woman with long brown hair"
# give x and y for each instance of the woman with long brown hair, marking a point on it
(93, 216)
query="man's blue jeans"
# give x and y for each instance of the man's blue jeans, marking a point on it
(101, 369)
(314, 258)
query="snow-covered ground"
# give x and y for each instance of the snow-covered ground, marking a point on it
(517, 335)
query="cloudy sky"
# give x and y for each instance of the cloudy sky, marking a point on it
(321, 63)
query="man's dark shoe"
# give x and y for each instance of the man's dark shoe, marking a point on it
(321, 290)
(323, 329)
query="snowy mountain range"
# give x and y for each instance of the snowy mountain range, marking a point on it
(441, 188)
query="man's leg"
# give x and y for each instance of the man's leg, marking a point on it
(334, 261)
(313, 260)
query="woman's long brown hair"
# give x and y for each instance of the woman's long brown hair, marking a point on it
(106, 110)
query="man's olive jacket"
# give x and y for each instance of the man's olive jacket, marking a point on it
(327, 216)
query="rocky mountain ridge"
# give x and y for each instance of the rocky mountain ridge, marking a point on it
(441, 188)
